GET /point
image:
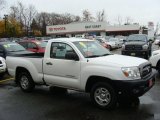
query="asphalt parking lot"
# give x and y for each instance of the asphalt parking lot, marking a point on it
(44, 105)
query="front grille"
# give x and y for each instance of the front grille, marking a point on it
(133, 47)
(147, 69)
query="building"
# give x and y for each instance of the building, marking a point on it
(91, 28)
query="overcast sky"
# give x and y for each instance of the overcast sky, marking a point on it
(140, 11)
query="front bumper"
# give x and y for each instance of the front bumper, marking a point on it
(135, 53)
(135, 88)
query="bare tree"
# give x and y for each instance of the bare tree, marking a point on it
(14, 12)
(2, 4)
(101, 16)
(119, 20)
(31, 12)
(87, 16)
(128, 20)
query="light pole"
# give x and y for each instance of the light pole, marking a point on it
(5, 24)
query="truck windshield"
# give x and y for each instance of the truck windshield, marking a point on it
(136, 38)
(13, 47)
(91, 49)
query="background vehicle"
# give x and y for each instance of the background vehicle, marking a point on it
(34, 45)
(83, 65)
(102, 42)
(113, 43)
(157, 40)
(10, 48)
(137, 45)
(2, 67)
(155, 60)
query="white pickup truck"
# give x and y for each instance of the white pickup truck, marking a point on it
(86, 66)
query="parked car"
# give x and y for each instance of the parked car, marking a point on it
(2, 67)
(86, 66)
(157, 42)
(137, 45)
(155, 60)
(113, 43)
(102, 42)
(8, 48)
(34, 45)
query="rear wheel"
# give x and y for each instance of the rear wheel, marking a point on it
(26, 82)
(103, 95)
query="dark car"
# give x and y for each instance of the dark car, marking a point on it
(137, 45)
(11, 48)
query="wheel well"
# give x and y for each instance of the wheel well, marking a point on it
(95, 79)
(19, 70)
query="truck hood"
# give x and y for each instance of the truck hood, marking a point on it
(118, 60)
(135, 43)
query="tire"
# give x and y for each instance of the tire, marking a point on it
(103, 96)
(26, 82)
(57, 90)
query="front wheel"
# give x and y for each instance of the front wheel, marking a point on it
(103, 95)
(26, 82)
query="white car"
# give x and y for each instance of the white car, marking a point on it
(155, 60)
(113, 43)
(2, 67)
(156, 42)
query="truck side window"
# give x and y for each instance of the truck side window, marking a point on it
(59, 50)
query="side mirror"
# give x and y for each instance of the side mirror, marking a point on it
(71, 56)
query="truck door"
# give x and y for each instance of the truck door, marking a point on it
(60, 71)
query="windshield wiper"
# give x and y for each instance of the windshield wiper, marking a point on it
(92, 56)
(106, 54)
(20, 50)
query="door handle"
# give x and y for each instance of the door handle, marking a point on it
(49, 63)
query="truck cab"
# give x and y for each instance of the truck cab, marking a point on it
(137, 45)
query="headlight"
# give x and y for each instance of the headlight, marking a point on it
(123, 46)
(145, 47)
(131, 72)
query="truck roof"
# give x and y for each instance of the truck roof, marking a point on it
(68, 40)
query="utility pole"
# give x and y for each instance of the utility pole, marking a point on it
(5, 24)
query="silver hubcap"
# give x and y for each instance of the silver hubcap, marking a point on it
(102, 96)
(24, 82)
